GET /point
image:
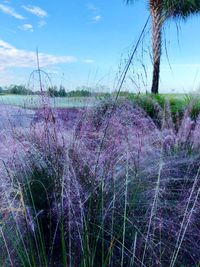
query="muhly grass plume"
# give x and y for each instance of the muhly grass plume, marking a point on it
(67, 198)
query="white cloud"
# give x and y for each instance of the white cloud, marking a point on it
(52, 71)
(11, 57)
(94, 10)
(88, 61)
(8, 2)
(26, 27)
(36, 10)
(10, 11)
(42, 23)
(97, 18)
(92, 7)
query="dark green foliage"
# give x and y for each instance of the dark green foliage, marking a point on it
(178, 107)
(39, 188)
(194, 103)
(183, 8)
(79, 93)
(62, 92)
(121, 93)
(53, 91)
(195, 110)
(155, 104)
(152, 104)
(176, 8)
(18, 90)
(160, 99)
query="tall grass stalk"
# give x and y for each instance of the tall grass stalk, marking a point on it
(125, 207)
(186, 226)
(138, 208)
(6, 245)
(185, 222)
(153, 209)
(134, 250)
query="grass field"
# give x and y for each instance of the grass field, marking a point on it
(33, 101)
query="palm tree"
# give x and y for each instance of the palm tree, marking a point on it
(161, 10)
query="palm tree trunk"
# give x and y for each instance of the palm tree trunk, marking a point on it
(156, 12)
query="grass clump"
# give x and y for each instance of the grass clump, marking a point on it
(131, 200)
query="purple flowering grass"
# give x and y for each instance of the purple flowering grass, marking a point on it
(67, 198)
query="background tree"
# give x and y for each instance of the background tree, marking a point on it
(18, 90)
(52, 91)
(161, 10)
(62, 92)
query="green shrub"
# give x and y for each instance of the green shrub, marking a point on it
(18, 90)
(79, 93)
(153, 104)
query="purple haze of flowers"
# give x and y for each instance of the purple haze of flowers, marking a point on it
(141, 169)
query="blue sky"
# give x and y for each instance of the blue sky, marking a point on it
(85, 42)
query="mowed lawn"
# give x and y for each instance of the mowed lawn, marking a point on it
(34, 101)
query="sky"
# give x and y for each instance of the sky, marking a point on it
(87, 43)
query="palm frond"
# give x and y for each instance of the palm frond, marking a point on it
(175, 8)
(181, 8)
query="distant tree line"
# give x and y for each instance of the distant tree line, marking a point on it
(16, 90)
(61, 92)
(54, 91)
